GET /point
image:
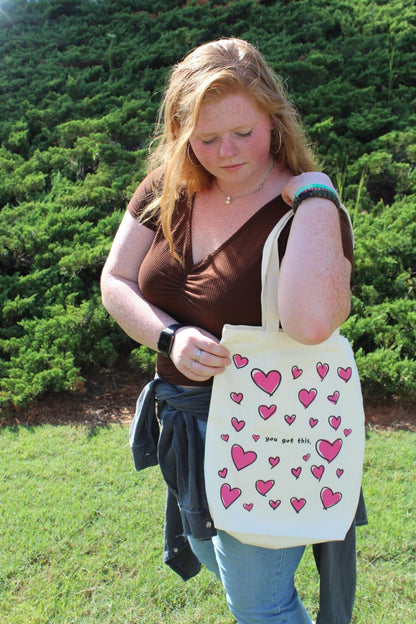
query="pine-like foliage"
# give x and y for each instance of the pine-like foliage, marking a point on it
(80, 84)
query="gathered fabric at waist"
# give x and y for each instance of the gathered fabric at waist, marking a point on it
(192, 400)
(173, 440)
(181, 450)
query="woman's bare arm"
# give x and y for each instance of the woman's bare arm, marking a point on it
(314, 281)
(143, 321)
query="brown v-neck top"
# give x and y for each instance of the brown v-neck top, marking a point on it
(224, 287)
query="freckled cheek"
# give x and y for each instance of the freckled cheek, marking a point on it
(205, 154)
(260, 149)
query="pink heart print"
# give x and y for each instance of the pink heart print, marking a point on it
(255, 437)
(329, 450)
(334, 421)
(248, 506)
(273, 461)
(344, 373)
(239, 360)
(268, 382)
(307, 396)
(263, 487)
(313, 422)
(237, 397)
(266, 411)
(347, 432)
(306, 457)
(296, 372)
(297, 503)
(322, 370)
(329, 498)
(290, 419)
(274, 504)
(237, 424)
(333, 398)
(225, 437)
(317, 472)
(229, 495)
(296, 472)
(340, 472)
(241, 458)
(222, 473)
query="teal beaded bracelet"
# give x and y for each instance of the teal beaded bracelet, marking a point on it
(315, 190)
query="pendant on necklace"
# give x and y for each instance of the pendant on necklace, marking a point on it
(228, 200)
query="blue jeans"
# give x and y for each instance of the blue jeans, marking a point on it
(259, 582)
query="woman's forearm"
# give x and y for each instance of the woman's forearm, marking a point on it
(141, 320)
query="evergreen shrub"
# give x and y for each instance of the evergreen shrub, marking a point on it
(80, 88)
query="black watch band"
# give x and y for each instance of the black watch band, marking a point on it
(166, 338)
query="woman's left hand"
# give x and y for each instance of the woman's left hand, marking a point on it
(197, 354)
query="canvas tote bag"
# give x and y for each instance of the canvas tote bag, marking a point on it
(285, 434)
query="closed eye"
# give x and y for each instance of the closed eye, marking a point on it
(208, 141)
(238, 134)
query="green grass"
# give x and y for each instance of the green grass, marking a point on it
(81, 535)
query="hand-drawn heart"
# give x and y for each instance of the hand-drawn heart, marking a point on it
(317, 472)
(322, 370)
(340, 472)
(225, 437)
(329, 450)
(344, 373)
(229, 495)
(268, 382)
(267, 411)
(237, 397)
(241, 458)
(334, 421)
(239, 360)
(238, 424)
(307, 396)
(313, 422)
(296, 472)
(306, 457)
(255, 437)
(222, 473)
(333, 398)
(347, 432)
(248, 506)
(329, 498)
(273, 461)
(290, 419)
(296, 372)
(274, 504)
(263, 487)
(297, 503)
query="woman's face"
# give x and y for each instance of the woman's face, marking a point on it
(232, 141)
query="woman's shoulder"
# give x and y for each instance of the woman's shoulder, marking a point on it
(145, 193)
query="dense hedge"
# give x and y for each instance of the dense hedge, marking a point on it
(80, 83)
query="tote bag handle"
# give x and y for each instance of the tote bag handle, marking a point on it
(270, 272)
(270, 275)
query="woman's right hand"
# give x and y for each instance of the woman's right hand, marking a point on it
(197, 354)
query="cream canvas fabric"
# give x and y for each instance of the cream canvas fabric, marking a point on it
(285, 434)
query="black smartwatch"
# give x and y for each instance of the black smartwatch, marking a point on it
(166, 338)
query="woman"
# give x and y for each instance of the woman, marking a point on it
(231, 157)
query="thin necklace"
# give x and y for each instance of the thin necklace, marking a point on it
(229, 198)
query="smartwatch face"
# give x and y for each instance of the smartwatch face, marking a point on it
(165, 342)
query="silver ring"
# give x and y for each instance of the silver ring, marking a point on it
(197, 355)
(190, 365)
